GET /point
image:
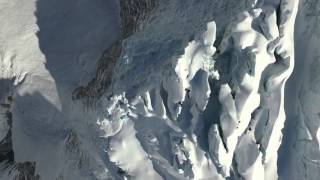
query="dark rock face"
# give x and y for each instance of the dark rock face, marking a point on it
(21, 170)
(133, 14)
(6, 152)
(74, 151)
(102, 79)
(26, 171)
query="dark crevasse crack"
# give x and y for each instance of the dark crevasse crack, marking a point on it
(234, 174)
(164, 96)
(210, 116)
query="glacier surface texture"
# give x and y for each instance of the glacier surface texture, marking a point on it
(159, 90)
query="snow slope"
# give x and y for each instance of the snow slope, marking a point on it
(49, 48)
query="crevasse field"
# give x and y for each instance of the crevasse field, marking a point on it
(159, 89)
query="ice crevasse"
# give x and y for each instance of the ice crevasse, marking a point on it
(243, 72)
(186, 90)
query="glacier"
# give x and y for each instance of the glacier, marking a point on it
(159, 89)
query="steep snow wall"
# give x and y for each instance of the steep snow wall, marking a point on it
(299, 154)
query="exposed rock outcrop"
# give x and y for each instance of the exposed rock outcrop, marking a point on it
(103, 77)
(26, 171)
(133, 15)
(6, 152)
(19, 170)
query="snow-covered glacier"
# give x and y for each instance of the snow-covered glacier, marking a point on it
(159, 89)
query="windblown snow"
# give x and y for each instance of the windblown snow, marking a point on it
(159, 89)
